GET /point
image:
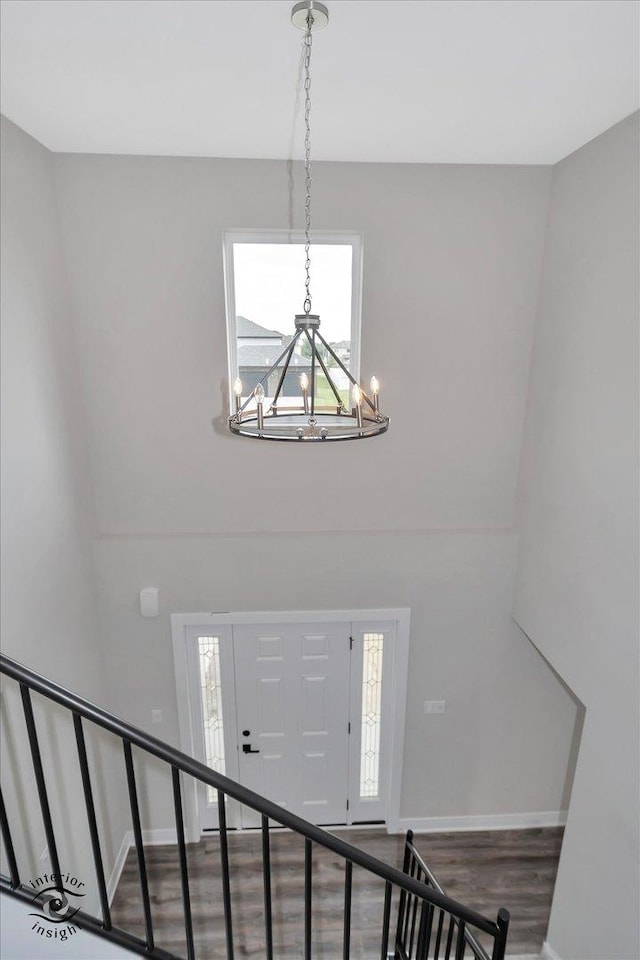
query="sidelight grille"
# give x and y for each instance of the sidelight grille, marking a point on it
(371, 715)
(211, 693)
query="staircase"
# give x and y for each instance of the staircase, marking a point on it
(417, 920)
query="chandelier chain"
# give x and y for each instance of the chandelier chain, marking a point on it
(307, 163)
(331, 404)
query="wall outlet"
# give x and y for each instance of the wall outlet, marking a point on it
(434, 706)
(156, 716)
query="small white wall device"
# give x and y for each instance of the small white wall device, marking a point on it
(149, 601)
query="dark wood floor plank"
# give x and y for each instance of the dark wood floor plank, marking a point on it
(485, 870)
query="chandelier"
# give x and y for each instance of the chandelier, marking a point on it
(304, 418)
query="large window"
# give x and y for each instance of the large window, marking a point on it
(264, 277)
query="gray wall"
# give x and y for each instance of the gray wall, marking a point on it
(47, 524)
(421, 517)
(577, 586)
(49, 607)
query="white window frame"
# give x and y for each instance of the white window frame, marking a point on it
(320, 237)
(394, 623)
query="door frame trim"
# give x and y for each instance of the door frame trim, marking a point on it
(398, 678)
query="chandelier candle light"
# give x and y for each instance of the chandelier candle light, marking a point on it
(267, 418)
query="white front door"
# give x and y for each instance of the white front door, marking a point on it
(292, 709)
(304, 709)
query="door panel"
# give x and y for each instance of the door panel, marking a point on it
(269, 696)
(292, 696)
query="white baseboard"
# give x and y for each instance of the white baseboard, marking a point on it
(158, 838)
(150, 838)
(492, 821)
(548, 953)
(114, 878)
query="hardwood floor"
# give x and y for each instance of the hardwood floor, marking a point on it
(484, 870)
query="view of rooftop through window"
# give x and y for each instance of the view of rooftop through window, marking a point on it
(268, 286)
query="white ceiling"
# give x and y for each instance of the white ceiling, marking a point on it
(457, 81)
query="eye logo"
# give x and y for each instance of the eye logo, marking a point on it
(54, 905)
(55, 901)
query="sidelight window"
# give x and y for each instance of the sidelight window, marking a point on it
(211, 694)
(371, 715)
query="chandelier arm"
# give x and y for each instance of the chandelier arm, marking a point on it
(285, 368)
(336, 393)
(244, 405)
(261, 382)
(313, 373)
(348, 372)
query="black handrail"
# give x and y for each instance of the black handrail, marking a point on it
(178, 761)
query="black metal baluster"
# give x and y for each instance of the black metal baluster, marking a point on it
(436, 949)
(500, 944)
(346, 939)
(266, 873)
(8, 844)
(39, 775)
(413, 912)
(407, 923)
(307, 896)
(429, 928)
(447, 953)
(461, 942)
(184, 870)
(91, 818)
(422, 928)
(409, 906)
(226, 883)
(400, 939)
(386, 916)
(137, 836)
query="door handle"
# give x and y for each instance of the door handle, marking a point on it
(246, 748)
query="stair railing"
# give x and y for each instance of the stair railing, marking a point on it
(415, 891)
(424, 930)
